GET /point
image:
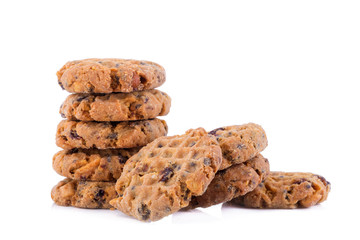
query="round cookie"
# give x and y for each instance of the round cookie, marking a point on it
(240, 143)
(232, 182)
(287, 190)
(109, 75)
(116, 106)
(163, 176)
(83, 194)
(105, 135)
(92, 164)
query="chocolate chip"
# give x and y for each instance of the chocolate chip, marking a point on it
(117, 65)
(137, 106)
(160, 145)
(100, 193)
(108, 158)
(122, 159)
(143, 63)
(166, 174)
(207, 161)
(308, 186)
(74, 135)
(241, 146)
(146, 99)
(144, 212)
(61, 85)
(192, 144)
(112, 136)
(213, 132)
(62, 115)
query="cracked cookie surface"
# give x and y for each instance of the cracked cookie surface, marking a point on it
(109, 75)
(232, 182)
(105, 135)
(287, 190)
(92, 164)
(116, 106)
(83, 194)
(163, 176)
(240, 143)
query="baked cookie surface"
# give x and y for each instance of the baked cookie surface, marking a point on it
(116, 106)
(163, 176)
(109, 75)
(232, 182)
(105, 135)
(83, 194)
(240, 143)
(92, 164)
(287, 190)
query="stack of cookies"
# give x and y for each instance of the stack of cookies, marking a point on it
(106, 165)
(109, 117)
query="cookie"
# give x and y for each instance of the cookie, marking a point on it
(287, 190)
(240, 143)
(232, 182)
(104, 135)
(109, 75)
(163, 176)
(116, 106)
(83, 194)
(92, 164)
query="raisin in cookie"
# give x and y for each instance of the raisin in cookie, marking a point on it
(163, 176)
(104, 135)
(240, 143)
(110, 75)
(83, 194)
(116, 106)
(232, 182)
(287, 190)
(92, 164)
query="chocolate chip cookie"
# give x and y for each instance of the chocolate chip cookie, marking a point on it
(105, 135)
(287, 190)
(92, 164)
(116, 106)
(109, 75)
(240, 143)
(163, 176)
(83, 194)
(232, 182)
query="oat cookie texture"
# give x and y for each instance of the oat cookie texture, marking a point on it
(164, 175)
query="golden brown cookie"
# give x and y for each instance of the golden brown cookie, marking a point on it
(92, 164)
(83, 194)
(240, 143)
(116, 106)
(287, 190)
(232, 182)
(105, 135)
(163, 176)
(109, 75)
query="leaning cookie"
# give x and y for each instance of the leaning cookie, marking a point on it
(83, 194)
(232, 182)
(110, 75)
(163, 176)
(116, 106)
(105, 135)
(92, 164)
(287, 190)
(240, 143)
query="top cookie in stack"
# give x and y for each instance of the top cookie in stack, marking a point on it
(111, 113)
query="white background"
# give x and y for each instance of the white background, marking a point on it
(291, 66)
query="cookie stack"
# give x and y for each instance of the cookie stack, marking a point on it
(109, 117)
